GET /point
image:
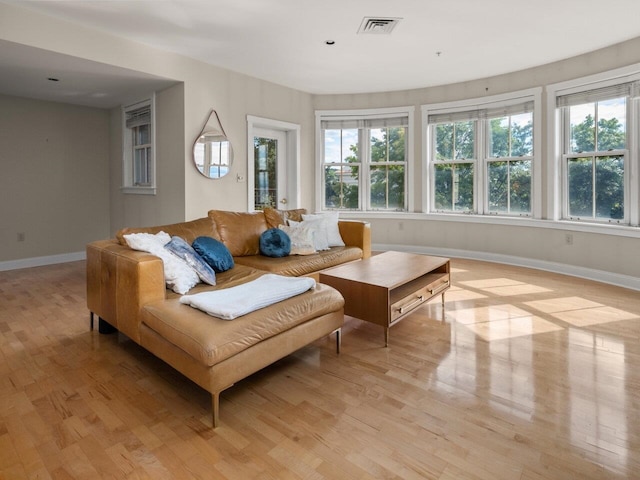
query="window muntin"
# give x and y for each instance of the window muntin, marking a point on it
(595, 159)
(364, 162)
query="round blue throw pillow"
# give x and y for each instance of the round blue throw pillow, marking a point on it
(275, 243)
(214, 252)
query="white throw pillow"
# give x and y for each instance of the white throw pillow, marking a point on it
(178, 275)
(301, 239)
(319, 230)
(331, 227)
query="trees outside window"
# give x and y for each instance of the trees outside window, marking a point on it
(454, 166)
(510, 164)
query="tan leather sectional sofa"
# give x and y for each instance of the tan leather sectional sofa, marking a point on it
(126, 288)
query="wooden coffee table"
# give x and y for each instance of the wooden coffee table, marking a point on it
(385, 288)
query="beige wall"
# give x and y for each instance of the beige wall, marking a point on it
(184, 194)
(167, 205)
(540, 244)
(54, 181)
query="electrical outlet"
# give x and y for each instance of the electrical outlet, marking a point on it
(21, 236)
(568, 238)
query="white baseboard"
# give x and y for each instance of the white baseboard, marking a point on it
(619, 280)
(40, 261)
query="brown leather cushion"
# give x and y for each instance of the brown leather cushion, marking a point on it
(298, 265)
(189, 231)
(211, 340)
(277, 217)
(240, 231)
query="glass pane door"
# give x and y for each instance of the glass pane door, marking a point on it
(269, 170)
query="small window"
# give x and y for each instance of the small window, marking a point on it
(138, 145)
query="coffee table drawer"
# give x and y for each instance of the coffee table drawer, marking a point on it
(410, 296)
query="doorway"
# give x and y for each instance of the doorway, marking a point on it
(272, 164)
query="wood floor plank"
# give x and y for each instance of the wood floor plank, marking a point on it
(524, 375)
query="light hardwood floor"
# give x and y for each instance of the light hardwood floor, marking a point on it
(525, 376)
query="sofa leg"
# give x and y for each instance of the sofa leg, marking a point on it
(338, 340)
(215, 407)
(105, 327)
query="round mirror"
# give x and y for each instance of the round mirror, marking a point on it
(212, 152)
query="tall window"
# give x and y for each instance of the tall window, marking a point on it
(595, 161)
(481, 159)
(138, 154)
(365, 162)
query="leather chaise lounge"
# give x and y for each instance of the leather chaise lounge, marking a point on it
(126, 289)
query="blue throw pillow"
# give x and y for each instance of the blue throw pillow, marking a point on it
(182, 249)
(275, 243)
(214, 252)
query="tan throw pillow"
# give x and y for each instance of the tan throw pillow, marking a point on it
(240, 231)
(277, 217)
(301, 239)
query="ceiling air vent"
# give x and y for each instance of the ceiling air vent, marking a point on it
(378, 25)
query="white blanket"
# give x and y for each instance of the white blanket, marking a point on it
(233, 302)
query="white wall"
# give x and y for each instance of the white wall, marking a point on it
(54, 181)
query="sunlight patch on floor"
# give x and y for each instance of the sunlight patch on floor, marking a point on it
(499, 322)
(580, 312)
(504, 287)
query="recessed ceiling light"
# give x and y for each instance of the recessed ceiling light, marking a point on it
(330, 42)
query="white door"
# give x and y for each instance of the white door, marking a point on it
(269, 169)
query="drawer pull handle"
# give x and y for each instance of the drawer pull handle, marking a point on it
(406, 308)
(433, 291)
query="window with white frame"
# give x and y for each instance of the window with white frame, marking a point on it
(138, 147)
(481, 158)
(364, 160)
(597, 126)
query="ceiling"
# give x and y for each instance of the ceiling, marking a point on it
(35, 73)
(284, 41)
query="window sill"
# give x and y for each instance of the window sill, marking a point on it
(139, 190)
(565, 225)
